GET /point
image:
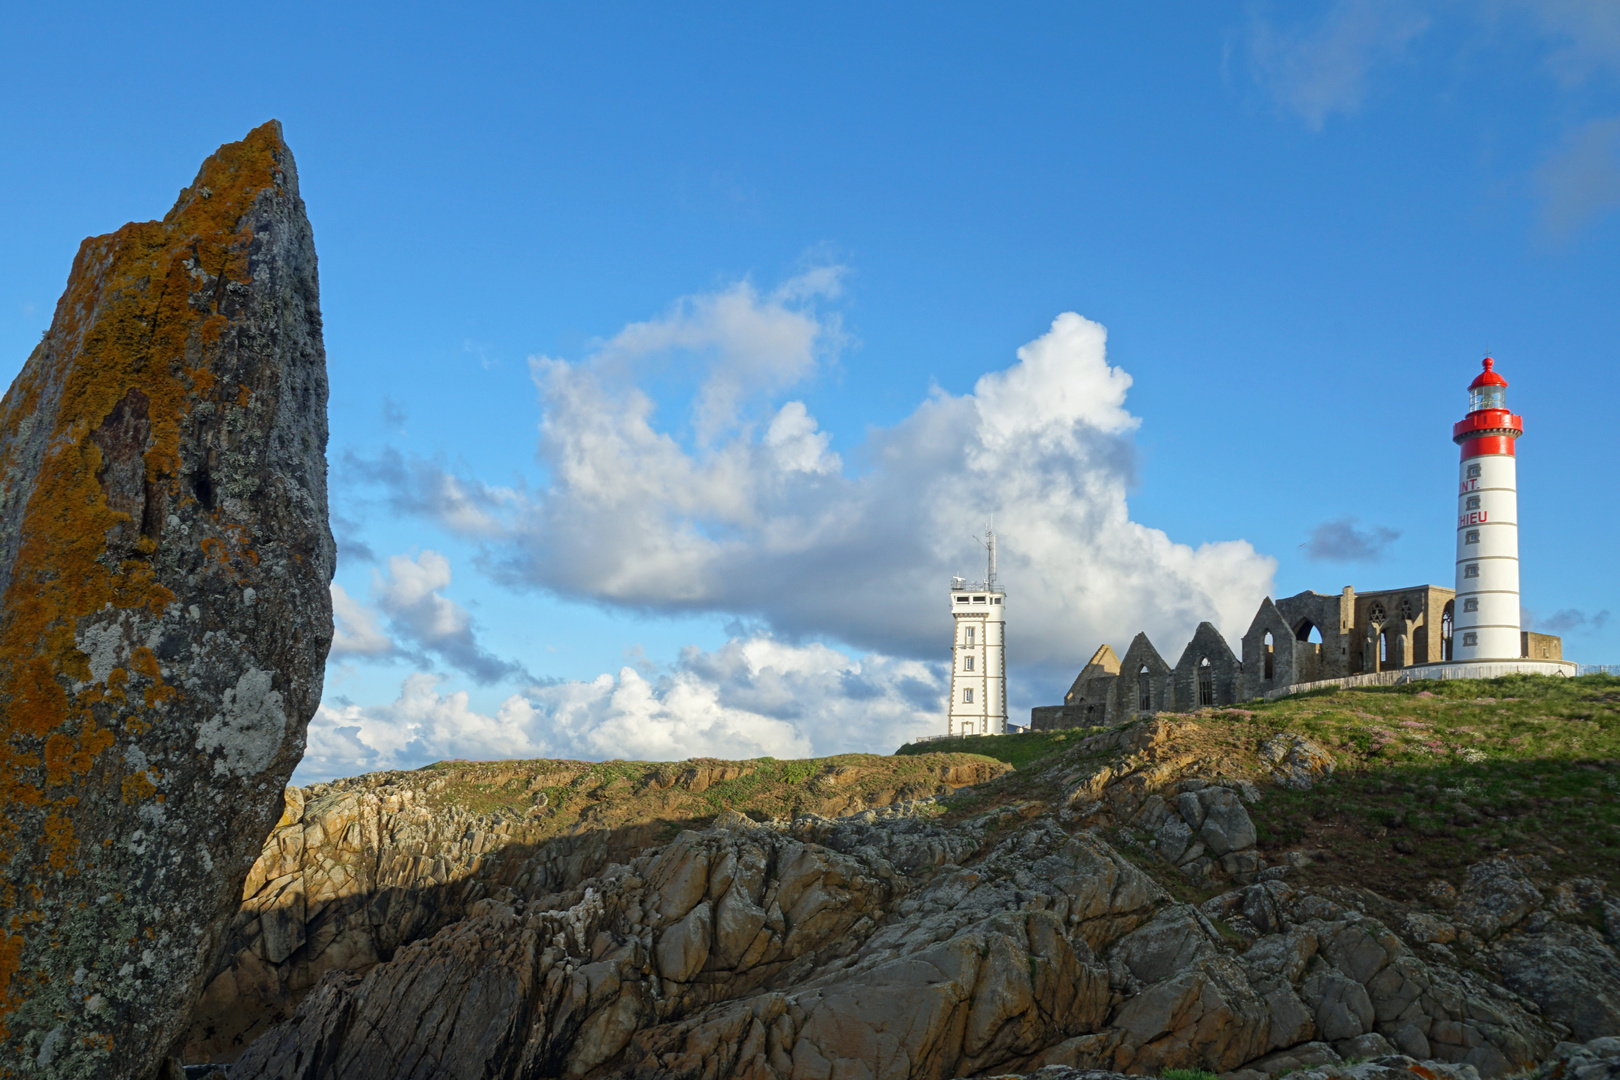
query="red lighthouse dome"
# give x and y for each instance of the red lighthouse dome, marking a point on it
(1488, 428)
(1488, 377)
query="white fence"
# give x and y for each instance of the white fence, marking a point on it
(1473, 670)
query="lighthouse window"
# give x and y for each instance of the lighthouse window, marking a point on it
(967, 636)
(1473, 472)
(961, 599)
(1471, 570)
(1470, 639)
(967, 663)
(1471, 536)
(967, 696)
(997, 600)
(1470, 605)
(1473, 502)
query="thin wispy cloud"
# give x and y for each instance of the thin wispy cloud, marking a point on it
(1568, 621)
(1316, 68)
(1585, 36)
(1580, 183)
(1340, 540)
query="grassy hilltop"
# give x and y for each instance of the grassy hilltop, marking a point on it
(1430, 776)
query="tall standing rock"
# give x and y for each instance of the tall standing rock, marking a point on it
(164, 614)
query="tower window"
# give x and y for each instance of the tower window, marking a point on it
(961, 599)
(996, 600)
(967, 663)
(1473, 472)
(967, 635)
(1471, 604)
(1470, 639)
(1471, 536)
(1471, 570)
(967, 695)
(1473, 502)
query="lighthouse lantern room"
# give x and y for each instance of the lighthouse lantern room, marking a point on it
(1486, 617)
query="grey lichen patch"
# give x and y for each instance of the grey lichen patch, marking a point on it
(249, 730)
(103, 644)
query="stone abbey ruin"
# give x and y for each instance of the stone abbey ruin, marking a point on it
(1297, 640)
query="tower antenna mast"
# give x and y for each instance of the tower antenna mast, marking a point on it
(989, 545)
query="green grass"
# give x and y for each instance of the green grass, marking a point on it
(1015, 750)
(1436, 775)
(1431, 776)
(1188, 1074)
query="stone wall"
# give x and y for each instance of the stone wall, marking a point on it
(1357, 634)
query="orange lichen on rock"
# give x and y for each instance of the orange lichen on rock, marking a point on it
(119, 465)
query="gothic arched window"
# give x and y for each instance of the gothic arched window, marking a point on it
(1206, 682)
(1144, 690)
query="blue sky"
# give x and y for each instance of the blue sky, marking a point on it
(675, 349)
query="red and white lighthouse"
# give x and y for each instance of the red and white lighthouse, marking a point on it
(1485, 622)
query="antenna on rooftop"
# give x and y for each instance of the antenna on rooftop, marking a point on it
(989, 545)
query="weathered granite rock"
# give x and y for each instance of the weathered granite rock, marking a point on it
(890, 946)
(1598, 1059)
(360, 867)
(1568, 970)
(1295, 761)
(164, 613)
(1499, 894)
(923, 941)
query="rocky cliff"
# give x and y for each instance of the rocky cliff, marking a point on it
(357, 868)
(1123, 904)
(164, 615)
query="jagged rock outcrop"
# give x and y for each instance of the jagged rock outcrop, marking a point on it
(164, 613)
(358, 868)
(893, 944)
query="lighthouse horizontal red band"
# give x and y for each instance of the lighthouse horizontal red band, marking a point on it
(1488, 444)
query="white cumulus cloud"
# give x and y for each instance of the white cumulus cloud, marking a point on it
(770, 525)
(752, 697)
(354, 628)
(423, 621)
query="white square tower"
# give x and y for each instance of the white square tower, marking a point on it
(978, 703)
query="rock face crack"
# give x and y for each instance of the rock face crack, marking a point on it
(164, 610)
